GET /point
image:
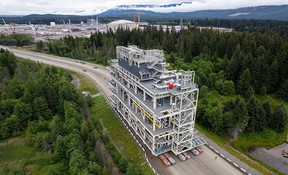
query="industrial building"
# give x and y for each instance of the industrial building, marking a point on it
(159, 105)
(124, 24)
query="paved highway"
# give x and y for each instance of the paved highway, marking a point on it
(204, 164)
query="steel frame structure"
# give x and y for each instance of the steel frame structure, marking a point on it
(159, 105)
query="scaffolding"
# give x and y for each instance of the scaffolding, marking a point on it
(159, 105)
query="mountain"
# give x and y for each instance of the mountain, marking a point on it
(11, 16)
(130, 11)
(259, 12)
(151, 6)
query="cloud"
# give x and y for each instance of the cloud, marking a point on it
(24, 7)
(215, 4)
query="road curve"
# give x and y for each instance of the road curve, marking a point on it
(204, 164)
(98, 74)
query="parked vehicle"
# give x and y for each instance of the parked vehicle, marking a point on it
(199, 149)
(171, 160)
(186, 155)
(164, 160)
(181, 157)
(195, 152)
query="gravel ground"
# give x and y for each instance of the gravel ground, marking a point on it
(273, 157)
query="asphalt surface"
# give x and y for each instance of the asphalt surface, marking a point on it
(272, 157)
(204, 164)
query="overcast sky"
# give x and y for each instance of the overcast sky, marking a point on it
(24, 7)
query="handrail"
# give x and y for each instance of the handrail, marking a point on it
(138, 107)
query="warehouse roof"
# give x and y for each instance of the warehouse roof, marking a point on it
(122, 21)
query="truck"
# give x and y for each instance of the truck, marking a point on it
(186, 155)
(181, 157)
(171, 160)
(164, 160)
(199, 149)
(195, 152)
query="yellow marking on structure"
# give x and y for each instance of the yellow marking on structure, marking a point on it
(138, 107)
(168, 134)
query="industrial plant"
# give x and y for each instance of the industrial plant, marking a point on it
(84, 29)
(159, 104)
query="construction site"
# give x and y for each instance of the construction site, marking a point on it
(159, 104)
(66, 28)
(54, 31)
(46, 32)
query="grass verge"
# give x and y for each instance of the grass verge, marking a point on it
(273, 100)
(268, 138)
(16, 156)
(119, 134)
(86, 84)
(116, 130)
(222, 143)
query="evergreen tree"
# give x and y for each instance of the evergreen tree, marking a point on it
(172, 58)
(283, 91)
(252, 108)
(8, 60)
(241, 113)
(244, 83)
(40, 46)
(279, 119)
(214, 116)
(24, 113)
(268, 114)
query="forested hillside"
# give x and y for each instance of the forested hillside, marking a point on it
(40, 104)
(256, 12)
(233, 70)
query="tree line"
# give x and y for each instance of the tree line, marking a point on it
(16, 40)
(234, 63)
(244, 25)
(252, 61)
(237, 24)
(236, 116)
